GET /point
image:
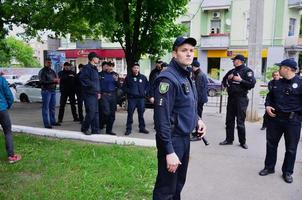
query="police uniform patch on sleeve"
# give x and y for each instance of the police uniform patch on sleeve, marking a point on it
(250, 74)
(163, 87)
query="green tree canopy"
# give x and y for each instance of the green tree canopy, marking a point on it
(141, 27)
(20, 51)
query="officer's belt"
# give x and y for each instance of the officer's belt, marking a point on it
(108, 93)
(286, 114)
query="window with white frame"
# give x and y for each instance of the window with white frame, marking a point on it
(292, 27)
(215, 26)
(187, 24)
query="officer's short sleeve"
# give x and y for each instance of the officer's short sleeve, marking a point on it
(164, 97)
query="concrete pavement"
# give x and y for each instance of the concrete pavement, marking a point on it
(215, 172)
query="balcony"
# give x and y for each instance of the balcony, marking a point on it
(291, 41)
(215, 41)
(295, 4)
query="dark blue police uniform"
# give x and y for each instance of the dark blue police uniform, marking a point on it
(136, 88)
(286, 97)
(108, 86)
(90, 89)
(175, 117)
(237, 101)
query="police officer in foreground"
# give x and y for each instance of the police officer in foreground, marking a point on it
(284, 106)
(89, 78)
(108, 86)
(102, 124)
(238, 82)
(175, 117)
(136, 87)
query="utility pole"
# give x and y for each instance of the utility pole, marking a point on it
(254, 58)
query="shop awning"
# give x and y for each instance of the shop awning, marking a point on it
(216, 5)
(102, 53)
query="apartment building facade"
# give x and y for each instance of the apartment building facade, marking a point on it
(222, 28)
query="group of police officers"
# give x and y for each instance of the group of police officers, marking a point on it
(177, 110)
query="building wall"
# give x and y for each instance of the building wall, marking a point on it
(238, 36)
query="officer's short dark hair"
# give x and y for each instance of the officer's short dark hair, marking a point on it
(47, 59)
(80, 66)
(92, 55)
(111, 64)
(104, 63)
(164, 64)
(66, 64)
(136, 64)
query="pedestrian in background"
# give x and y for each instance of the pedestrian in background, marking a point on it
(68, 90)
(238, 82)
(175, 117)
(136, 87)
(153, 75)
(276, 76)
(48, 80)
(6, 102)
(89, 78)
(78, 91)
(108, 87)
(283, 104)
(102, 124)
(201, 82)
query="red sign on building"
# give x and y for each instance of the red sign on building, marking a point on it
(102, 53)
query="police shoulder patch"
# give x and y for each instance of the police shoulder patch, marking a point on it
(163, 87)
(250, 74)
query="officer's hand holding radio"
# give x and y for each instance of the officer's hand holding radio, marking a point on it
(172, 162)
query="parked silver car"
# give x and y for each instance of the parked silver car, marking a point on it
(30, 92)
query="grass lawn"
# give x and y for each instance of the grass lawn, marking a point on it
(56, 169)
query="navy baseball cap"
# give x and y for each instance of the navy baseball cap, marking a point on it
(239, 57)
(288, 63)
(181, 40)
(195, 63)
(92, 55)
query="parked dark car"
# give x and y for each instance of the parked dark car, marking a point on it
(214, 87)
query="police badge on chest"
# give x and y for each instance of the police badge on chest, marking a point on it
(186, 87)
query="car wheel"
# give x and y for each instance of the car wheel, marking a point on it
(212, 92)
(24, 98)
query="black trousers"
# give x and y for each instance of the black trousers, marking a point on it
(168, 185)
(63, 100)
(138, 103)
(92, 113)
(108, 108)
(291, 129)
(236, 109)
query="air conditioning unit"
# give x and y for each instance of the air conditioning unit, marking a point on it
(216, 15)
